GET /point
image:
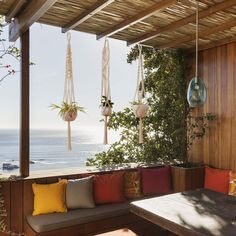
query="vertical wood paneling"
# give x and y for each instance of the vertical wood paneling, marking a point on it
(6, 192)
(16, 206)
(217, 67)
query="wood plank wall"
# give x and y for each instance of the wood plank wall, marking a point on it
(217, 67)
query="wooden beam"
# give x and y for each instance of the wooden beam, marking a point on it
(24, 114)
(160, 6)
(14, 10)
(31, 13)
(216, 43)
(202, 34)
(95, 8)
(177, 24)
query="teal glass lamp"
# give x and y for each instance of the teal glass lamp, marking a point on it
(196, 94)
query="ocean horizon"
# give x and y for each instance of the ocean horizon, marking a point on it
(48, 149)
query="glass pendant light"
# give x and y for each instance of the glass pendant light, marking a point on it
(196, 94)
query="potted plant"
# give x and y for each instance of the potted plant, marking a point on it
(187, 175)
(106, 106)
(140, 108)
(68, 111)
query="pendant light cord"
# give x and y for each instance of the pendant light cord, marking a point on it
(197, 18)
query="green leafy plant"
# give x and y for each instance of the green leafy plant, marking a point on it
(67, 107)
(105, 102)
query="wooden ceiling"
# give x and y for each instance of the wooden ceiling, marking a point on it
(157, 23)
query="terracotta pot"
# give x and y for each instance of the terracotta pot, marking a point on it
(106, 111)
(69, 116)
(141, 110)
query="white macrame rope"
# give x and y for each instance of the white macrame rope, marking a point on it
(69, 96)
(140, 90)
(106, 90)
(140, 80)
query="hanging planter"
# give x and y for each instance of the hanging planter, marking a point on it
(69, 109)
(196, 94)
(106, 106)
(140, 105)
(106, 103)
(140, 110)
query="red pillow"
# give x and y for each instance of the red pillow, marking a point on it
(156, 181)
(109, 188)
(217, 180)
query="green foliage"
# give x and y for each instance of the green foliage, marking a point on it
(165, 126)
(67, 107)
(105, 102)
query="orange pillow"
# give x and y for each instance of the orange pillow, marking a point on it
(108, 188)
(217, 180)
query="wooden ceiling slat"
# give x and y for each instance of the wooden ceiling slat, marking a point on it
(136, 18)
(177, 24)
(98, 6)
(14, 9)
(202, 34)
(33, 11)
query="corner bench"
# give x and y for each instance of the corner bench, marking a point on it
(50, 222)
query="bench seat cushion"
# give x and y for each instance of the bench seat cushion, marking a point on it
(48, 222)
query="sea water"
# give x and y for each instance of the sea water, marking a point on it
(48, 149)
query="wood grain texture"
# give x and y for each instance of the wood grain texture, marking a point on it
(217, 67)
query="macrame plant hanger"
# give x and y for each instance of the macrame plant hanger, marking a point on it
(140, 105)
(69, 96)
(196, 94)
(106, 103)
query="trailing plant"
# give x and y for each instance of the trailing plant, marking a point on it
(67, 107)
(197, 127)
(105, 102)
(165, 126)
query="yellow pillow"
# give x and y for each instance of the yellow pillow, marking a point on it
(49, 198)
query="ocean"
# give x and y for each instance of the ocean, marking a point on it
(48, 149)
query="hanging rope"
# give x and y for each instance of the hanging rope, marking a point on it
(140, 106)
(105, 91)
(197, 30)
(69, 96)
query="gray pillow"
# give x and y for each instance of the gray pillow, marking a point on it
(79, 193)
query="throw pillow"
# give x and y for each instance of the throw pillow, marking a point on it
(156, 180)
(79, 193)
(109, 188)
(217, 180)
(232, 183)
(49, 198)
(132, 184)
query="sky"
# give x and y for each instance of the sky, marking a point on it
(48, 52)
